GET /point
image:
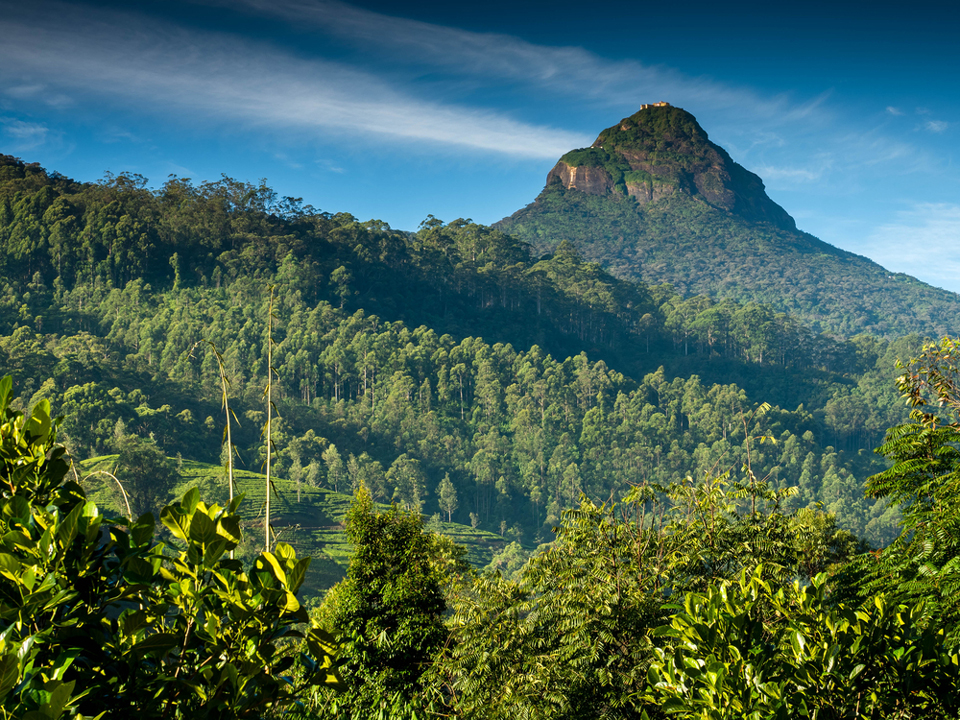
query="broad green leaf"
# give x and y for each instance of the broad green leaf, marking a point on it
(324, 648)
(269, 562)
(214, 551)
(190, 500)
(229, 527)
(285, 551)
(231, 508)
(143, 529)
(59, 694)
(202, 528)
(176, 521)
(290, 602)
(39, 424)
(17, 508)
(6, 388)
(298, 573)
(28, 578)
(159, 643)
(10, 567)
(674, 705)
(132, 621)
(9, 672)
(67, 529)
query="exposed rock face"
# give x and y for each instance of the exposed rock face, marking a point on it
(591, 180)
(649, 192)
(662, 150)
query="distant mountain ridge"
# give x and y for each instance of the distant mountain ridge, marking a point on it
(654, 199)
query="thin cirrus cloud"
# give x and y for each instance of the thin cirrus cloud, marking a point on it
(165, 67)
(22, 136)
(38, 91)
(789, 175)
(564, 70)
(921, 241)
(789, 129)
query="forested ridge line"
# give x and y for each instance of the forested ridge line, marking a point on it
(657, 201)
(701, 250)
(401, 355)
(459, 278)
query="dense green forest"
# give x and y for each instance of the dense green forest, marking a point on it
(449, 357)
(699, 599)
(674, 490)
(669, 206)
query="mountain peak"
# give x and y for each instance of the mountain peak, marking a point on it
(661, 151)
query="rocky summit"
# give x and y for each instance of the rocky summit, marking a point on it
(660, 151)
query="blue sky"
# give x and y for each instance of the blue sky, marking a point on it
(850, 112)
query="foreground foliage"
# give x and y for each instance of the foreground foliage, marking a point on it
(98, 618)
(573, 635)
(745, 649)
(923, 565)
(692, 610)
(388, 616)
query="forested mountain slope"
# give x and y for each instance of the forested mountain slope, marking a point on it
(654, 200)
(448, 369)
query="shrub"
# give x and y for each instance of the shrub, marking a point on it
(99, 619)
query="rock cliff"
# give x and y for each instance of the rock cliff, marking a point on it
(661, 151)
(593, 180)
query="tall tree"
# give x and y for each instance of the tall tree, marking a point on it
(268, 394)
(388, 612)
(447, 496)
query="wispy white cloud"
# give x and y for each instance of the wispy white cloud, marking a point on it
(179, 170)
(835, 162)
(765, 132)
(921, 241)
(329, 166)
(111, 135)
(870, 148)
(170, 69)
(936, 126)
(38, 91)
(788, 175)
(894, 111)
(22, 136)
(785, 176)
(496, 56)
(25, 91)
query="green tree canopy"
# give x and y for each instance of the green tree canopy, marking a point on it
(388, 612)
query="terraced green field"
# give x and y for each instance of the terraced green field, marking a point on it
(312, 524)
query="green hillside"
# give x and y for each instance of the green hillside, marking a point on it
(450, 357)
(312, 524)
(715, 535)
(655, 200)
